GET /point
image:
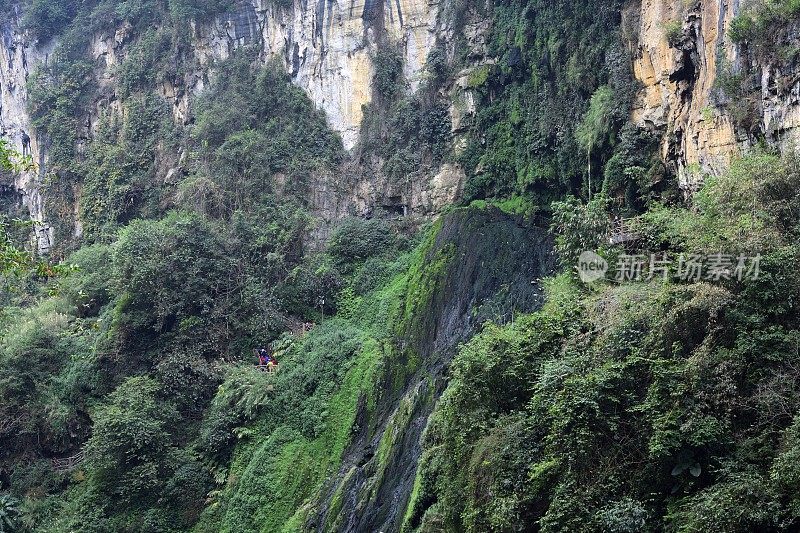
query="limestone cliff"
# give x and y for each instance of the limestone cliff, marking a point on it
(17, 58)
(680, 51)
(327, 47)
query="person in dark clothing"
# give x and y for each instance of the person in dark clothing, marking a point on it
(263, 356)
(26, 144)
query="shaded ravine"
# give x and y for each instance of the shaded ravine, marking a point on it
(483, 265)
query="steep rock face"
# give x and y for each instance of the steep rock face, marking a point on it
(478, 281)
(680, 53)
(17, 58)
(679, 50)
(326, 46)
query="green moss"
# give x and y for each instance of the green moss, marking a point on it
(673, 31)
(357, 383)
(394, 429)
(483, 205)
(478, 76)
(413, 501)
(286, 470)
(424, 278)
(514, 205)
(337, 500)
(517, 205)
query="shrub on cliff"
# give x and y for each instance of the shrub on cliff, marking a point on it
(763, 24)
(248, 100)
(131, 451)
(388, 64)
(580, 227)
(46, 18)
(356, 239)
(754, 207)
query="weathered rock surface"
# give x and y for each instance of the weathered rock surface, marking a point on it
(680, 52)
(326, 46)
(17, 58)
(493, 256)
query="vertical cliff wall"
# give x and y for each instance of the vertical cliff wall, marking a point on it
(682, 53)
(327, 47)
(17, 59)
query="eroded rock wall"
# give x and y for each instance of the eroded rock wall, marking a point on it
(327, 46)
(17, 58)
(680, 51)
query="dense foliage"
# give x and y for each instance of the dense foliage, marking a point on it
(49, 18)
(14, 258)
(645, 406)
(145, 366)
(546, 125)
(129, 398)
(763, 26)
(186, 265)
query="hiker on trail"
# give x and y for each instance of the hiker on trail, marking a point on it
(263, 356)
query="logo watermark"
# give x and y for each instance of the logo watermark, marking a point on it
(683, 267)
(591, 267)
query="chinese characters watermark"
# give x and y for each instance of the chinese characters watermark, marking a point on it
(683, 267)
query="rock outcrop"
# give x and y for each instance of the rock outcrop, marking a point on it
(17, 58)
(326, 46)
(680, 52)
(372, 489)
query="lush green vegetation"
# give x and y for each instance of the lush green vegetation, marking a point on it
(133, 356)
(762, 25)
(646, 406)
(49, 18)
(763, 30)
(546, 125)
(643, 406)
(151, 364)
(14, 258)
(141, 357)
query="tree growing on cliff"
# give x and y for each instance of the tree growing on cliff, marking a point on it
(12, 258)
(10, 159)
(596, 125)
